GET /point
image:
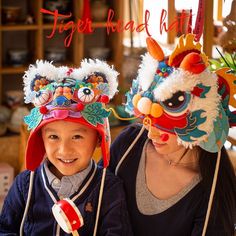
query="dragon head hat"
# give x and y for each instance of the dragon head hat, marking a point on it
(180, 95)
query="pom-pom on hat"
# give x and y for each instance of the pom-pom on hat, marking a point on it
(180, 95)
(75, 95)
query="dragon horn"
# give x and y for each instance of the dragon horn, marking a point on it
(154, 49)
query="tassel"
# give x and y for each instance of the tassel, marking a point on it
(190, 22)
(198, 29)
(86, 16)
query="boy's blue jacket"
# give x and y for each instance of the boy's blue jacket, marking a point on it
(40, 220)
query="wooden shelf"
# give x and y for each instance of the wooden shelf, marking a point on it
(48, 26)
(13, 70)
(36, 41)
(18, 27)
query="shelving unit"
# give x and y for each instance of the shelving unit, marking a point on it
(37, 42)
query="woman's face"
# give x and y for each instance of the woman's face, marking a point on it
(164, 143)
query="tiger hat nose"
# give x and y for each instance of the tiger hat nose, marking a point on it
(146, 106)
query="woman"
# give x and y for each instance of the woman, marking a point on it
(170, 164)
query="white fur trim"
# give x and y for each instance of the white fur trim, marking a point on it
(89, 66)
(43, 68)
(181, 80)
(187, 144)
(57, 74)
(77, 74)
(147, 71)
(61, 73)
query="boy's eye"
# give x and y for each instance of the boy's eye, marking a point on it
(77, 137)
(53, 136)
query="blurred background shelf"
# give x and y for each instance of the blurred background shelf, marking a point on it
(24, 28)
(13, 70)
(18, 27)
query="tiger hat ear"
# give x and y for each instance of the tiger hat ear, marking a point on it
(37, 77)
(100, 73)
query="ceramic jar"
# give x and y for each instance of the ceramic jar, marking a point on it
(63, 7)
(10, 15)
(5, 114)
(56, 55)
(17, 57)
(14, 98)
(17, 119)
(101, 53)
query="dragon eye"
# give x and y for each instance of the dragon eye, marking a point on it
(85, 94)
(177, 103)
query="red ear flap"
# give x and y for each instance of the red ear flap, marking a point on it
(193, 63)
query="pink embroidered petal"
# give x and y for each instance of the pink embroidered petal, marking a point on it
(60, 114)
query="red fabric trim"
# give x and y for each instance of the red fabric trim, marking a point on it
(35, 150)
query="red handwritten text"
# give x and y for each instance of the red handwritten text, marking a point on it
(81, 26)
(85, 26)
(120, 26)
(178, 24)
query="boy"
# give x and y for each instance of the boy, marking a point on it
(68, 122)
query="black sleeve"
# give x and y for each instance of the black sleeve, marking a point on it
(14, 205)
(114, 215)
(199, 220)
(213, 229)
(122, 143)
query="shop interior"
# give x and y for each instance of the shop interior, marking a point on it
(28, 32)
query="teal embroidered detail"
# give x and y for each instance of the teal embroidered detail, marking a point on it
(218, 136)
(34, 118)
(94, 113)
(191, 129)
(104, 88)
(205, 90)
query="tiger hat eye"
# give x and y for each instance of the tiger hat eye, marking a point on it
(85, 94)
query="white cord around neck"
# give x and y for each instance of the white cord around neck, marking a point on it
(99, 200)
(213, 187)
(27, 202)
(129, 149)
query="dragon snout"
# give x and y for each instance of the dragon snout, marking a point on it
(146, 106)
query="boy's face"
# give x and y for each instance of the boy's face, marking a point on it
(69, 146)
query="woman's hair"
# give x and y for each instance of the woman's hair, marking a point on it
(224, 205)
